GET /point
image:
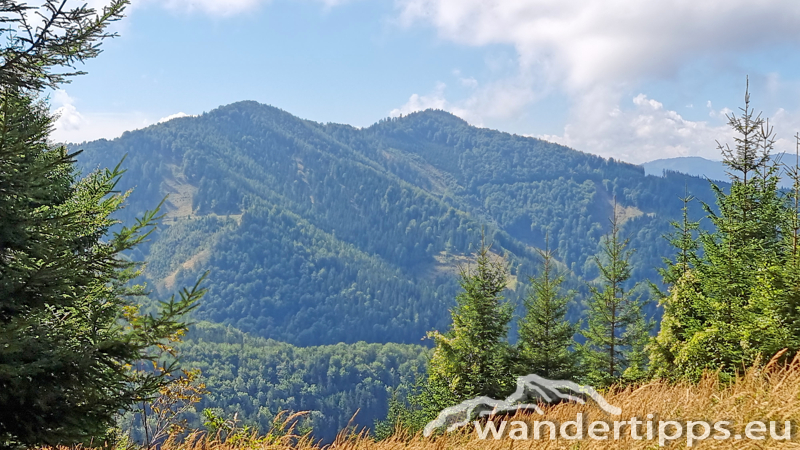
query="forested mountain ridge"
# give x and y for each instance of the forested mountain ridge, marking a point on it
(531, 188)
(318, 234)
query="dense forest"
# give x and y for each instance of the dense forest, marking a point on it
(256, 378)
(297, 219)
(319, 234)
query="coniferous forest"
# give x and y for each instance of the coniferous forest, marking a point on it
(223, 271)
(315, 235)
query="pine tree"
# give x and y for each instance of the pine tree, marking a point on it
(74, 348)
(545, 335)
(472, 359)
(616, 330)
(731, 307)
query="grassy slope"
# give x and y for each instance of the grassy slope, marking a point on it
(761, 394)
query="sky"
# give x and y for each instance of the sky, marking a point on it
(629, 79)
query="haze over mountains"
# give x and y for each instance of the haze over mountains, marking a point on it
(316, 234)
(690, 165)
(704, 168)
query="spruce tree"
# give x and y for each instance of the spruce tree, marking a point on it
(545, 335)
(616, 331)
(678, 271)
(734, 305)
(473, 357)
(74, 348)
(790, 306)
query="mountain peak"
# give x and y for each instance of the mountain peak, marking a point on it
(428, 117)
(439, 114)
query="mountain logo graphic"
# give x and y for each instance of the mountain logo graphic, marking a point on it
(531, 391)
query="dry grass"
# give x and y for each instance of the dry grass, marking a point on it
(770, 393)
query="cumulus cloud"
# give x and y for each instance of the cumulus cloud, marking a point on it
(585, 41)
(174, 116)
(69, 119)
(641, 131)
(594, 51)
(499, 99)
(74, 126)
(434, 100)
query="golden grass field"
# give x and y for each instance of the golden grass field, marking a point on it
(769, 393)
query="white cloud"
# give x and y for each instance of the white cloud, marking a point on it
(75, 126)
(216, 8)
(174, 116)
(332, 3)
(785, 124)
(434, 100)
(588, 42)
(69, 119)
(594, 51)
(501, 99)
(640, 132)
(469, 82)
(641, 129)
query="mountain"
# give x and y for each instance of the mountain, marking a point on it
(319, 234)
(324, 233)
(706, 168)
(690, 165)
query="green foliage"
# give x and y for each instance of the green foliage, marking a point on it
(617, 331)
(72, 343)
(413, 405)
(317, 234)
(216, 424)
(734, 299)
(40, 40)
(400, 416)
(230, 432)
(546, 337)
(74, 348)
(297, 219)
(473, 357)
(254, 379)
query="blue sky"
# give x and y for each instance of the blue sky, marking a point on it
(623, 78)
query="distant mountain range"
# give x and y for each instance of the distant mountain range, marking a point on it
(690, 165)
(702, 167)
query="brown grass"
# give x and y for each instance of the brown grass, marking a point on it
(770, 393)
